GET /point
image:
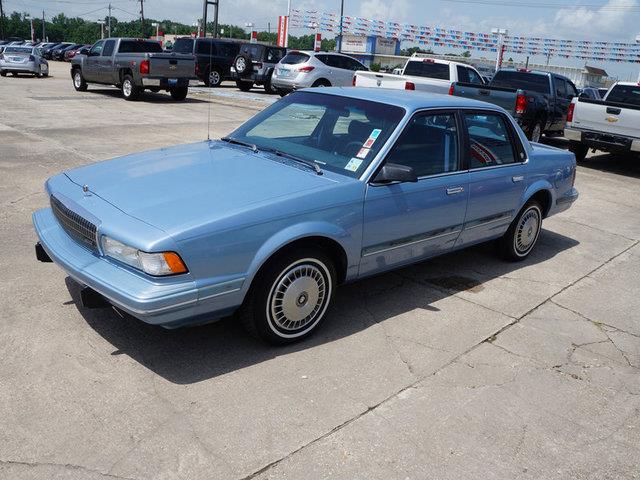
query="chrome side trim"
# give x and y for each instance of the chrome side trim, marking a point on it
(386, 247)
(481, 222)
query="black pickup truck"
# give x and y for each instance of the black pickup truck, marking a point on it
(539, 101)
(133, 65)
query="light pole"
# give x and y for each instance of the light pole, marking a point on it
(341, 17)
(101, 22)
(501, 32)
(157, 25)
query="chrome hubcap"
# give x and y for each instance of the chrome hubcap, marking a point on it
(535, 136)
(126, 88)
(77, 79)
(241, 65)
(298, 297)
(527, 231)
(214, 78)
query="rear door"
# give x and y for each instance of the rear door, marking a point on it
(496, 162)
(405, 222)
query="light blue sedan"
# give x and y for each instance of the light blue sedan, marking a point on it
(321, 188)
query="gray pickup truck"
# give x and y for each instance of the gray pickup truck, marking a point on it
(133, 65)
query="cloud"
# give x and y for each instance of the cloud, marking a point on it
(392, 10)
(611, 20)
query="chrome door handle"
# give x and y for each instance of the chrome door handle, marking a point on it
(454, 190)
(517, 178)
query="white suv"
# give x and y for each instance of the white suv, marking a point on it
(314, 69)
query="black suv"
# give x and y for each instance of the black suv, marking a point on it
(214, 57)
(254, 65)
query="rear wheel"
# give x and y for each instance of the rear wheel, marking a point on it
(321, 83)
(534, 132)
(244, 86)
(213, 78)
(179, 93)
(289, 299)
(521, 237)
(78, 81)
(579, 150)
(130, 90)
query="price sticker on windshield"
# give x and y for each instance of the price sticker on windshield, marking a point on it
(353, 164)
(372, 138)
(363, 153)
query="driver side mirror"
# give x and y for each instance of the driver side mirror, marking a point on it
(392, 172)
(84, 51)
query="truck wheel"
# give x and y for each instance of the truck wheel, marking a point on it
(78, 81)
(244, 86)
(268, 87)
(534, 132)
(579, 150)
(130, 91)
(518, 242)
(290, 297)
(213, 78)
(179, 93)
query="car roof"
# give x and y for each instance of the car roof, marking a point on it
(409, 100)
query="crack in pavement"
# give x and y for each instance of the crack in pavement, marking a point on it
(67, 466)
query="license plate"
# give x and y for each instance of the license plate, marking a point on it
(173, 81)
(16, 59)
(283, 72)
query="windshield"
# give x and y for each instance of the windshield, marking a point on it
(427, 69)
(340, 134)
(523, 80)
(629, 94)
(18, 50)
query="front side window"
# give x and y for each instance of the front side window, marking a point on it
(340, 134)
(428, 144)
(474, 77)
(97, 48)
(489, 140)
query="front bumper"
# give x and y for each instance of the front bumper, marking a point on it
(166, 302)
(603, 141)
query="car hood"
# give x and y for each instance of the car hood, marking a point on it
(185, 186)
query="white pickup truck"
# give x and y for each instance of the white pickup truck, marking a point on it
(423, 74)
(610, 125)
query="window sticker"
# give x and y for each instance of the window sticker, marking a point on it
(375, 134)
(353, 164)
(363, 153)
(372, 138)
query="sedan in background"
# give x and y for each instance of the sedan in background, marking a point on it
(20, 59)
(314, 69)
(47, 52)
(59, 52)
(70, 54)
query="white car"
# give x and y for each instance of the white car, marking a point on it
(421, 73)
(610, 125)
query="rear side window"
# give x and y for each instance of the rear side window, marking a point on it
(107, 51)
(254, 51)
(183, 45)
(274, 55)
(428, 70)
(139, 46)
(524, 80)
(489, 140)
(227, 49)
(625, 94)
(463, 74)
(206, 48)
(294, 58)
(561, 87)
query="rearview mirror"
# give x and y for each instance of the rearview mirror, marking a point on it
(392, 172)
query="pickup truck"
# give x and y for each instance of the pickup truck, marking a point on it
(133, 65)
(423, 74)
(539, 101)
(610, 125)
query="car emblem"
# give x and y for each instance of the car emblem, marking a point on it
(85, 190)
(379, 82)
(173, 67)
(612, 119)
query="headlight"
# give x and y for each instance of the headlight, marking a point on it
(157, 264)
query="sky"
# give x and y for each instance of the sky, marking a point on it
(612, 20)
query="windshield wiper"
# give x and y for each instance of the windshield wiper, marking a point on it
(313, 165)
(235, 141)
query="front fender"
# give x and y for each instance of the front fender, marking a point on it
(299, 231)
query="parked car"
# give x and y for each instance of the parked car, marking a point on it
(323, 187)
(539, 101)
(214, 57)
(21, 59)
(47, 52)
(314, 69)
(133, 65)
(58, 52)
(610, 125)
(589, 92)
(254, 65)
(422, 73)
(70, 54)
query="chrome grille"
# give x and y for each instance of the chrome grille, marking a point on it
(78, 228)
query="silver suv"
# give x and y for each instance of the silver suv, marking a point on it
(314, 69)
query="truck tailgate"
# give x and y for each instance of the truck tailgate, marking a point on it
(172, 66)
(607, 118)
(505, 98)
(382, 80)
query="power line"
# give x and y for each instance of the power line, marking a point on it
(631, 7)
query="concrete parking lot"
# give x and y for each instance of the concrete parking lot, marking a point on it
(464, 367)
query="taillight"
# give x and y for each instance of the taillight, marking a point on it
(521, 103)
(306, 69)
(144, 67)
(197, 70)
(572, 107)
(409, 86)
(451, 89)
(258, 65)
(354, 81)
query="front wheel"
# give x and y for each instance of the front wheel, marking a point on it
(579, 150)
(289, 299)
(78, 81)
(244, 86)
(179, 93)
(130, 91)
(521, 237)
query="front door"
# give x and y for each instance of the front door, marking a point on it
(104, 63)
(405, 222)
(496, 176)
(90, 71)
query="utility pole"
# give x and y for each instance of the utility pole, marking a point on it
(1, 20)
(142, 18)
(109, 24)
(44, 37)
(341, 17)
(205, 5)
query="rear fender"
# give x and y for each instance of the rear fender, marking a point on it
(534, 188)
